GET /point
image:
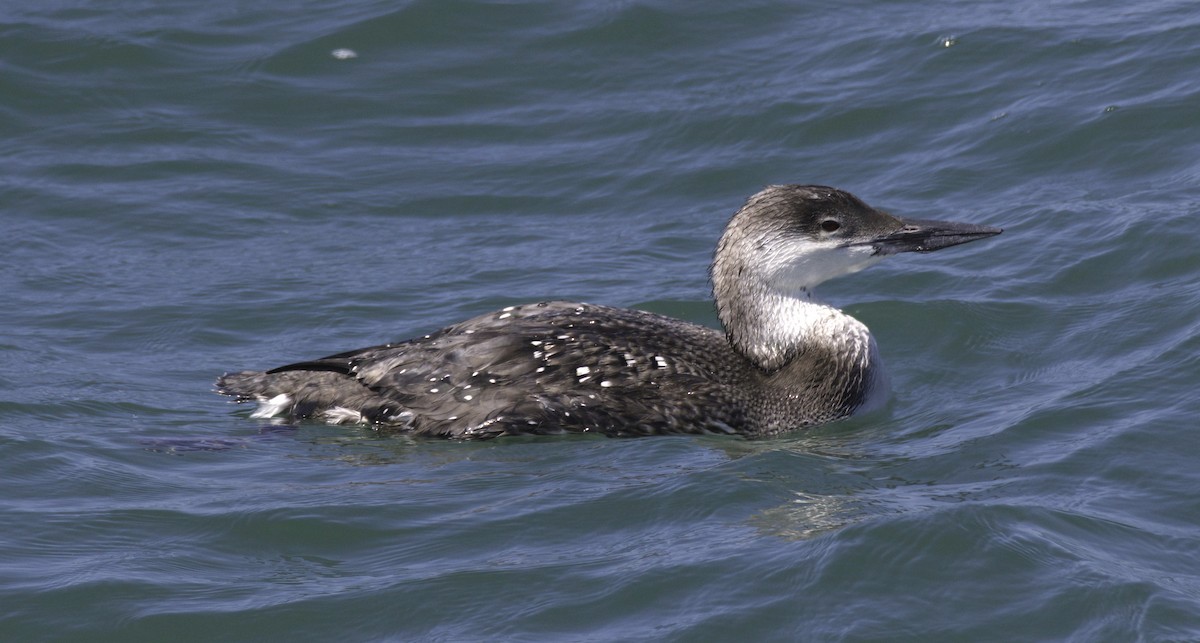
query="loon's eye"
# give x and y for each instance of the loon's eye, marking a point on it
(830, 225)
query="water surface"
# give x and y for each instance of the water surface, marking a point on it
(200, 187)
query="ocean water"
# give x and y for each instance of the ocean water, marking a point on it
(193, 187)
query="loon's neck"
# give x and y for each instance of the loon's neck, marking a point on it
(816, 361)
(772, 329)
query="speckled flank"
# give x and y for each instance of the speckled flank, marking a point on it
(786, 360)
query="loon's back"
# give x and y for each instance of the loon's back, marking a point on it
(551, 367)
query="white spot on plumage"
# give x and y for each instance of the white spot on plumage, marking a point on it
(582, 370)
(341, 415)
(661, 361)
(433, 390)
(606, 383)
(717, 426)
(405, 415)
(508, 309)
(272, 407)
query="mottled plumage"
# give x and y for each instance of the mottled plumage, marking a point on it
(785, 362)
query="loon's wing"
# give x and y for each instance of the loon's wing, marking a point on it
(550, 367)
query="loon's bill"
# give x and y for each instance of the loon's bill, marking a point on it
(924, 235)
(782, 361)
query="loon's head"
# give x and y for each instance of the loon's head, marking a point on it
(790, 238)
(786, 240)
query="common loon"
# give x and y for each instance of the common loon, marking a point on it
(785, 360)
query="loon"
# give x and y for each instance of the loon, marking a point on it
(784, 361)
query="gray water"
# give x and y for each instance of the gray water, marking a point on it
(190, 188)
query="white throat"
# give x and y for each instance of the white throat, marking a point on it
(795, 268)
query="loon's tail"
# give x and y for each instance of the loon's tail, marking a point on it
(244, 386)
(322, 395)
